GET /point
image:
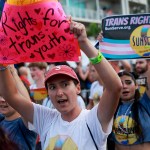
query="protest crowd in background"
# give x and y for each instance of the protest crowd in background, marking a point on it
(135, 67)
(109, 101)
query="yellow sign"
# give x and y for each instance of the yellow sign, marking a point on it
(25, 2)
(140, 40)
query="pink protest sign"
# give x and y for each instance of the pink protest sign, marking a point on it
(36, 32)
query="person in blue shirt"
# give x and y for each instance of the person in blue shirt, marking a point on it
(13, 124)
(5, 142)
(131, 125)
(14, 127)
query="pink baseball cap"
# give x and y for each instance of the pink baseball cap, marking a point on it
(61, 69)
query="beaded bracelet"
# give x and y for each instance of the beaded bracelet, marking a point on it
(3, 68)
(97, 59)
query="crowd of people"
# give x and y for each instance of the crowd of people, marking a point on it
(106, 106)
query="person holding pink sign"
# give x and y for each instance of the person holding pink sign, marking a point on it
(69, 127)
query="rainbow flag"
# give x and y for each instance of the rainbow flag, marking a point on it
(38, 94)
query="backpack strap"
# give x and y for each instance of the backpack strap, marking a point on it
(92, 137)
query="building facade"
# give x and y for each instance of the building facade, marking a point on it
(92, 11)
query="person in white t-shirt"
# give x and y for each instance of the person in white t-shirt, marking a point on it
(69, 127)
(37, 70)
(96, 89)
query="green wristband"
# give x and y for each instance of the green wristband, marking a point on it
(96, 59)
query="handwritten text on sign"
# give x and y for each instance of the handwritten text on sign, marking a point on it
(36, 32)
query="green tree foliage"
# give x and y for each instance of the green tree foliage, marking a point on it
(93, 29)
